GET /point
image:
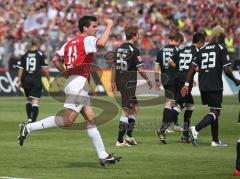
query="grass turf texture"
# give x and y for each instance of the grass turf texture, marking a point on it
(57, 153)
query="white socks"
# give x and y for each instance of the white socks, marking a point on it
(49, 122)
(124, 119)
(57, 121)
(96, 138)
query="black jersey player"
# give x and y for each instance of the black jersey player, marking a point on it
(210, 60)
(181, 62)
(31, 65)
(167, 77)
(124, 78)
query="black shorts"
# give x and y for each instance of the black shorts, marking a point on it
(212, 98)
(170, 91)
(32, 88)
(178, 96)
(128, 97)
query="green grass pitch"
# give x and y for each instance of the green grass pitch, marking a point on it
(58, 153)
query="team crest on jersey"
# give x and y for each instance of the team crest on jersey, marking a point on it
(139, 58)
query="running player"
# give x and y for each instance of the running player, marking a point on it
(78, 56)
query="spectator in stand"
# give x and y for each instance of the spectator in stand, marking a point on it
(60, 17)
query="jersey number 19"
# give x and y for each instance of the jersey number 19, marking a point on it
(31, 64)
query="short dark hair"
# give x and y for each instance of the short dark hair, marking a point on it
(131, 31)
(176, 36)
(198, 37)
(85, 21)
(35, 41)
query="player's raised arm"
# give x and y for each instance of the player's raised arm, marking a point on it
(101, 42)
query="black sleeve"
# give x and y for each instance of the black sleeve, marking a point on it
(21, 63)
(44, 61)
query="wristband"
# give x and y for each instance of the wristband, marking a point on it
(186, 84)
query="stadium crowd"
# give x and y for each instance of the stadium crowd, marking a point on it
(55, 22)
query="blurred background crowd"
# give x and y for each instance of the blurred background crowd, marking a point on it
(56, 21)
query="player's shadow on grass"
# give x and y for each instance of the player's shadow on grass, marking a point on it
(85, 165)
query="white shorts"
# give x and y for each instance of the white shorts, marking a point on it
(76, 91)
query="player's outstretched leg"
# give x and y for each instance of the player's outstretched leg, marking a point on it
(49, 122)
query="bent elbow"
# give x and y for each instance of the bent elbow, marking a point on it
(101, 45)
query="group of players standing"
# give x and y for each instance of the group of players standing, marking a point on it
(177, 69)
(179, 66)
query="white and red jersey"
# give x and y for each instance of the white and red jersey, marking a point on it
(78, 55)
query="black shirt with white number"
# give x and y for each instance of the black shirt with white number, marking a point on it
(31, 63)
(127, 61)
(162, 57)
(210, 60)
(183, 59)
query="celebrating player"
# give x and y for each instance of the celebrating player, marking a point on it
(78, 56)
